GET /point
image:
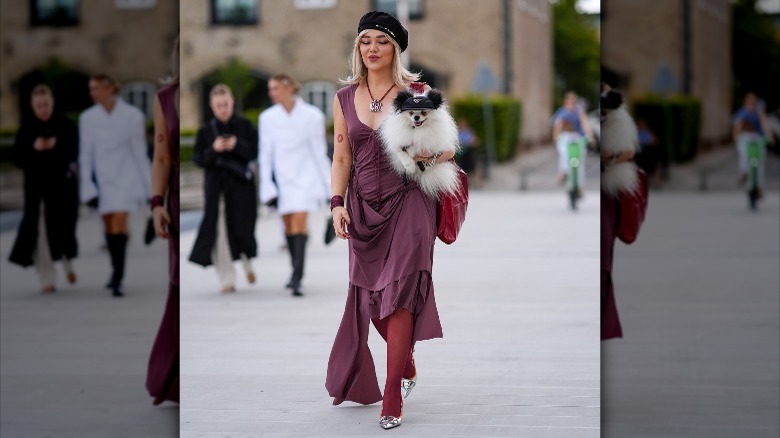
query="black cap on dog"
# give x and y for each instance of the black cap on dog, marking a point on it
(418, 103)
(386, 23)
(406, 100)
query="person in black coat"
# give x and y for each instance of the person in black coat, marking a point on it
(47, 149)
(226, 148)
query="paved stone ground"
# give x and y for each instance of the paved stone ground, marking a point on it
(518, 299)
(699, 303)
(73, 364)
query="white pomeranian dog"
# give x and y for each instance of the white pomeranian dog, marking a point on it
(421, 124)
(618, 134)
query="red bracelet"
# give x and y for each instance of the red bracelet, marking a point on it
(336, 201)
(157, 201)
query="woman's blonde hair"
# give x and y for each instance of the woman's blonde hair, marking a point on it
(108, 80)
(286, 79)
(401, 76)
(219, 90)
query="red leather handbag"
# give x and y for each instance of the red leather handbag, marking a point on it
(633, 206)
(452, 210)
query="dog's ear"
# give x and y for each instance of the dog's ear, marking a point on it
(399, 100)
(436, 97)
(611, 100)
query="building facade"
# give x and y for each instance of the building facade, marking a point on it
(673, 46)
(130, 40)
(312, 40)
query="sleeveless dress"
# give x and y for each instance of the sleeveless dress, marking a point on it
(391, 242)
(610, 215)
(162, 378)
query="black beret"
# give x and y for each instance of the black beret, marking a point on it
(386, 23)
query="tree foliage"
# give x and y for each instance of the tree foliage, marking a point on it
(755, 54)
(577, 52)
(238, 76)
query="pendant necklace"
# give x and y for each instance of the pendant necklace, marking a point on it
(376, 105)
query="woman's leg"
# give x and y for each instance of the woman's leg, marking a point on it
(69, 271)
(116, 239)
(42, 256)
(399, 341)
(250, 272)
(297, 236)
(409, 369)
(223, 260)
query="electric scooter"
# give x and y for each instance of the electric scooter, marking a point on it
(755, 159)
(575, 150)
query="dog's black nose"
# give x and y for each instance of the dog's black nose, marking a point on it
(416, 118)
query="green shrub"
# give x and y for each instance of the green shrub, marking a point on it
(7, 137)
(506, 118)
(252, 114)
(675, 121)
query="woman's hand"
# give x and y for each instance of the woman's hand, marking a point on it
(619, 157)
(444, 156)
(230, 142)
(161, 219)
(219, 144)
(340, 222)
(40, 144)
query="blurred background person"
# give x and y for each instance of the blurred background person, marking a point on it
(46, 149)
(224, 148)
(749, 123)
(466, 157)
(294, 166)
(115, 169)
(162, 379)
(570, 124)
(648, 157)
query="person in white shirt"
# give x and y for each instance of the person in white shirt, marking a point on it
(115, 169)
(294, 166)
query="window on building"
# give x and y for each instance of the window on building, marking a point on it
(54, 12)
(140, 94)
(416, 8)
(235, 12)
(320, 94)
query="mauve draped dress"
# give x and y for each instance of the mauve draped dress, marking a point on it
(391, 242)
(162, 378)
(610, 214)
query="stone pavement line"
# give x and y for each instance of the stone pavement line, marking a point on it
(698, 300)
(73, 364)
(518, 300)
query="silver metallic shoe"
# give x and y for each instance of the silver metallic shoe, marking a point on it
(389, 422)
(407, 385)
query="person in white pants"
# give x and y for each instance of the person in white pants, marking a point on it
(749, 124)
(570, 124)
(46, 149)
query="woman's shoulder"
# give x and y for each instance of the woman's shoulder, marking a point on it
(167, 92)
(346, 89)
(271, 111)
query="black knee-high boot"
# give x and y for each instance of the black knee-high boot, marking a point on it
(299, 258)
(291, 249)
(111, 245)
(117, 247)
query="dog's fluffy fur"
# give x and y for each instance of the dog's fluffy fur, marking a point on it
(405, 134)
(618, 134)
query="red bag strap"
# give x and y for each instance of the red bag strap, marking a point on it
(418, 87)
